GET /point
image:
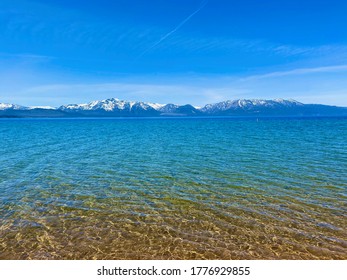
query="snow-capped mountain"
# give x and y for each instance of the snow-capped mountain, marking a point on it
(185, 110)
(42, 107)
(168, 108)
(110, 105)
(6, 106)
(119, 108)
(249, 105)
(113, 107)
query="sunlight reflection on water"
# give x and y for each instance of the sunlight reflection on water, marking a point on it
(173, 189)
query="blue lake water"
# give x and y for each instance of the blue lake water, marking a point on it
(173, 188)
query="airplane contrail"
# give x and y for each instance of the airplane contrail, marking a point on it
(202, 5)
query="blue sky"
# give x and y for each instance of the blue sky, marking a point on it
(192, 51)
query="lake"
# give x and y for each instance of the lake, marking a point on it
(173, 188)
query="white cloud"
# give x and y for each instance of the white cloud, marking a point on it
(299, 71)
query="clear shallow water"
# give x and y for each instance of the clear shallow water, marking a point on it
(173, 189)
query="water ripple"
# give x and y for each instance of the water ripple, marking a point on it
(173, 189)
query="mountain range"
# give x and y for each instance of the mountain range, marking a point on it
(119, 108)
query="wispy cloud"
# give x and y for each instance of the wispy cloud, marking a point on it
(299, 71)
(27, 57)
(202, 5)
